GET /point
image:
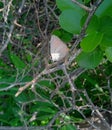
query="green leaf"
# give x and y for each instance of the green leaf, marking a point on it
(18, 63)
(68, 127)
(42, 104)
(94, 24)
(87, 1)
(2, 63)
(108, 53)
(91, 41)
(90, 60)
(45, 117)
(63, 35)
(105, 23)
(107, 38)
(46, 109)
(46, 83)
(70, 21)
(68, 4)
(105, 8)
(106, 28)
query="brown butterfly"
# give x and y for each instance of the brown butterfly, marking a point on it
(58, 48)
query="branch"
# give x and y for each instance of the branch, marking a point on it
(82, 6)
(44, 72)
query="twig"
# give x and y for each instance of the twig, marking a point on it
(73, 57)
(21, 7)
(1, 9)
(74, 75)
(73, 89)
(38, 22)
(68, 77)
(6, 10)
(11, 86)
(82, 6)
(110, 90)
(7, 41)
(53, 119)
(53, 12)
(47, 17)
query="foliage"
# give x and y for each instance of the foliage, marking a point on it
(98, 33)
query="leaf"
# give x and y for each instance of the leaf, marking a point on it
(106, 28)
(94, 24)
(87, 1)
(18, 63)
(108, 53)
(107, 38)
(68, 127)
(105, 23)
(91, 41)
(68, 4)
(70, 21)
(45, 117)
(46, 83)
(64, 35)
(105, 8)
(45, 109)
(44, 105)
(90, 60)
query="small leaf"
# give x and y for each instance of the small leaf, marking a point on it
(87, 1)
(108, 53)
(70, 21)
(46, 109)
(46, 83)
(90, 60)
(68, 127)
(91, 41)
(18, 63)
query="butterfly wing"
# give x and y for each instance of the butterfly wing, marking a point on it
(58, 48)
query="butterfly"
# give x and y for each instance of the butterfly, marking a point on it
(58, 49)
